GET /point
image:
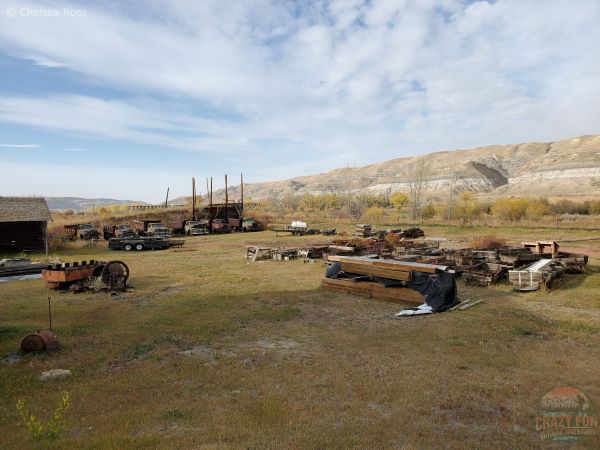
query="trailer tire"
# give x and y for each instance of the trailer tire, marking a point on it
(139, 246)
(128, 247)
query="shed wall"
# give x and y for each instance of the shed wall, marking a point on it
(18, 236)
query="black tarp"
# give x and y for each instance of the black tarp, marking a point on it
(333, 270)
(439, 291)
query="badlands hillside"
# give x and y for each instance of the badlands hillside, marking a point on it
(567, 168)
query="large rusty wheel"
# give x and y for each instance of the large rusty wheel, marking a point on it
(115, 275)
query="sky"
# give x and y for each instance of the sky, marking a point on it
(122, 99)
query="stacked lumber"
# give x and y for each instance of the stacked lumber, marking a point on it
(379, 278)
(413, 233)
(365, 263)
(373, 290)
(363, 230)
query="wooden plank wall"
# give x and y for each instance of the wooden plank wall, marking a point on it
(19, 236)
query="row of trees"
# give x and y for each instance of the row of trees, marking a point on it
(465, 206)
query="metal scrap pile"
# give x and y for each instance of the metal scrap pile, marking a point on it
(79, 276)
(306, 252)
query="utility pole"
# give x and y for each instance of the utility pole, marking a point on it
(193, 198)
(242, 192)
(226, 200)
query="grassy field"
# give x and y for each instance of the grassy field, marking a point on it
(209, 351)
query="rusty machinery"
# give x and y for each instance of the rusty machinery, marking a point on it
(95, 275)
(42, 341)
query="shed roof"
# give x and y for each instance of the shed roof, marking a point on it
(24, 209)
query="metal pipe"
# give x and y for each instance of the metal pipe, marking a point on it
(167, 199)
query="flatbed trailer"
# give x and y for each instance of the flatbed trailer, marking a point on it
(143, 243)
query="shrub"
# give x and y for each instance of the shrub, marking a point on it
(489, 241)
(428, 211)
(565, 206)
(39, 429)
(512, 209)
(399, 200)
(537, 208)
(58, 239)
(594, 207)
(468, 208)
(374, 214)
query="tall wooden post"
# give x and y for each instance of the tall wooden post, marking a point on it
(193, 198)
(242, 192)
(226, 200)
(46, 236)
(207, 189)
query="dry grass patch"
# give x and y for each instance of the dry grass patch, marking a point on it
(209, 351)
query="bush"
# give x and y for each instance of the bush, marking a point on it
(537, 208)
(428, 211)
(399, 200)
(565, 206)
(489, 241)
(512, 209)
(594, 207)
(468, 208)
(39, 429)
(374, 214)
(58, 239)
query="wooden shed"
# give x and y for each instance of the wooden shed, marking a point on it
(23, 224)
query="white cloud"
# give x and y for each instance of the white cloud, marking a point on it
(19, 145)
(325, 80)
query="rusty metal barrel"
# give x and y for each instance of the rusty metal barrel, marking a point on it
(42, 341)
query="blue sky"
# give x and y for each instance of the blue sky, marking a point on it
(124, 99)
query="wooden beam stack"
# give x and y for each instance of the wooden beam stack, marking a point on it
(373, 290)
(359, 275)
(363, 230)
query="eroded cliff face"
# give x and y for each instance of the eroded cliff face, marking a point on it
(567, 167)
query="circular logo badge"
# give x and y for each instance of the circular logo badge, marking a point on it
(565, 414)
